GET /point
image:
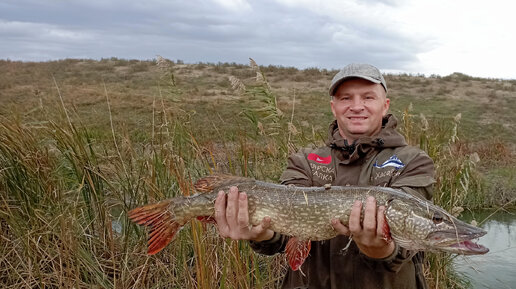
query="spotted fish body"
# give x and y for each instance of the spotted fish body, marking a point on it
(305, 213)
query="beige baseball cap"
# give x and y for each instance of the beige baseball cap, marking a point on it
(360, 70)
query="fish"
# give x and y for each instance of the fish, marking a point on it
(305, 214)
(393, 161)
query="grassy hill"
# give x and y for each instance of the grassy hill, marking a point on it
(201, 95)
(83, 141)
(487, 105)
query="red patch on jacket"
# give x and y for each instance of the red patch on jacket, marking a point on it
(319, 159)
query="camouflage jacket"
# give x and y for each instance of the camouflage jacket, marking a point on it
(382, 160)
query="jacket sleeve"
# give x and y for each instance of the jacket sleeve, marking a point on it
(297, 174)
(417, 178)
(298, 171)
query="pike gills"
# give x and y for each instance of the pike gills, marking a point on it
(305, 213)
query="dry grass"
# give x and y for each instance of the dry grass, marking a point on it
(76, 154)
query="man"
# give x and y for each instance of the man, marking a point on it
(363, 149)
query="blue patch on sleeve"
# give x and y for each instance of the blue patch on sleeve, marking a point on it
(393, 161)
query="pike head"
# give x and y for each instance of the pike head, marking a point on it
(420, 225)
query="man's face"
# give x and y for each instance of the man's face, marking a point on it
(359, 105)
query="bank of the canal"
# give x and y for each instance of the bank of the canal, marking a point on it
(496, 269)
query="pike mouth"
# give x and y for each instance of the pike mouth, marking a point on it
(470, 248)
(460, 242)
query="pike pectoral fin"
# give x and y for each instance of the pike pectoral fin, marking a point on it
(162, 225)
(386, 231)
(297, 251)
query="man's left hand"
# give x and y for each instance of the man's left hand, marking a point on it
(369, 234)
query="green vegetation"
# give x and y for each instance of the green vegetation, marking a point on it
(83, 141)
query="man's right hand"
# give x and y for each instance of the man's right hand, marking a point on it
(232, 217)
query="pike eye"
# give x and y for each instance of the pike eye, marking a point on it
(437, 218)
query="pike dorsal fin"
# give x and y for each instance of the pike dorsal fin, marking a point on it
(211, 182)
(296, 252)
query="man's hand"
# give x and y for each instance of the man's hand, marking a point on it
(232, 217)
(368, 235)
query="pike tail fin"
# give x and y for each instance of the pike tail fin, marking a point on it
(163, 225)
(211, 182)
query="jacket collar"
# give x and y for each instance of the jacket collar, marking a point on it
(350, 152)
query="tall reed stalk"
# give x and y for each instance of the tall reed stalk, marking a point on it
(457, 184)
(65, 192)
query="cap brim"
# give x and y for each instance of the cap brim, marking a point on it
(340, 81)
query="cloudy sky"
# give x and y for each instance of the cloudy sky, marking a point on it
(431, 37)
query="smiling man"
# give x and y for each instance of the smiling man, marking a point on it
(358, 106)
(363, 149)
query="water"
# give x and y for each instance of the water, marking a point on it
(496, 269)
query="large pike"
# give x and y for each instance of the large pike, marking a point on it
(305, 213)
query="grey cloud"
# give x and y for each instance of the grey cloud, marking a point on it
(197, 30)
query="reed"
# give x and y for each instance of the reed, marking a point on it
(65, 190)
(458, 183)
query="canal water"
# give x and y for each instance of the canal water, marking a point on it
(496, 269)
